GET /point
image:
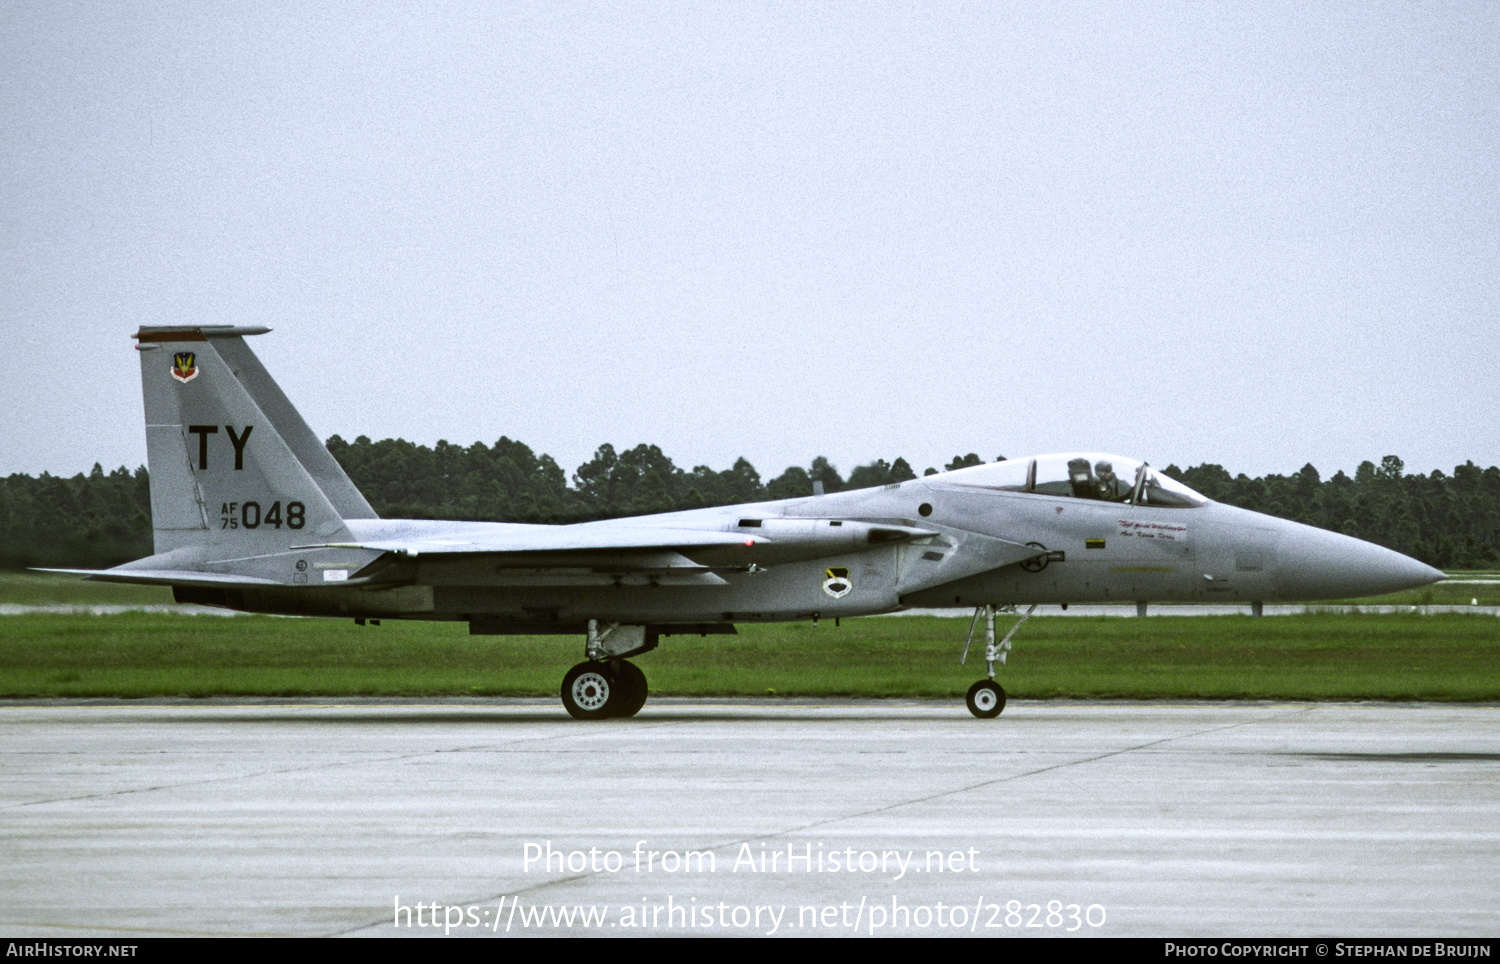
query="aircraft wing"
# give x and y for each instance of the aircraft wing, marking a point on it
(780, 540)
(573, 538)
(615, 552)
(618, 552)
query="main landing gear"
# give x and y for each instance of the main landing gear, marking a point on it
(986, 698)
(595, 690)
(606, 685)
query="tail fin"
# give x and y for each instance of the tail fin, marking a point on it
(226, 473)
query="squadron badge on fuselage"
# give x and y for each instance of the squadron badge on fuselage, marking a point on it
(837, 584)
(184, 366)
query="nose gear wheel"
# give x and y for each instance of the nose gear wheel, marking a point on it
(986, 699)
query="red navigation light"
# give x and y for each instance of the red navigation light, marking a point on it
(749, 542)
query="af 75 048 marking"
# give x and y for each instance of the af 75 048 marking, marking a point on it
(235, 515)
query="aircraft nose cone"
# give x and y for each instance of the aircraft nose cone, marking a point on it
(1317, 564)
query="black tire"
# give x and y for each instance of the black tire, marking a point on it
(986, 699)
(589, 691)
(633, 689)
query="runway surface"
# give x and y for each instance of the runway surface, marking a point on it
(1162, 819)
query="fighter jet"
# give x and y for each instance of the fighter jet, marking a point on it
(250, 512)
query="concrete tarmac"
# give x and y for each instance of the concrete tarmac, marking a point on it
(834, 818)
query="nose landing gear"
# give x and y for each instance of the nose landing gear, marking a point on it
(986, 698)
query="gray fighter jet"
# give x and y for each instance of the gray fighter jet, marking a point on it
(250, 512)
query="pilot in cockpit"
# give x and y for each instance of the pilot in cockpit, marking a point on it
(1111, 488)
(1100, 482)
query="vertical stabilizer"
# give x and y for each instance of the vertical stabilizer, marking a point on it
(222, 475)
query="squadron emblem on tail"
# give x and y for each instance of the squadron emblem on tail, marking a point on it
(184, 366)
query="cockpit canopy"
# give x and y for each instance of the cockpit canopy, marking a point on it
(1083, 475)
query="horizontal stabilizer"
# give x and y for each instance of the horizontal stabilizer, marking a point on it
(165, 577)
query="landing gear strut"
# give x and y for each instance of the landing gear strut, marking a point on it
(606, 685)
(986, 698)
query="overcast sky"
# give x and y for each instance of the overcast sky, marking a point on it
(1253, 234)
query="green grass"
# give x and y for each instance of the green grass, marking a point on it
(53, 589)
(1317, 656)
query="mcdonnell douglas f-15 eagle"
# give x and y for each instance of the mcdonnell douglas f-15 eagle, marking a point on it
(249, 511)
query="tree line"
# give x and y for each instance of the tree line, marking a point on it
(102, 519)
